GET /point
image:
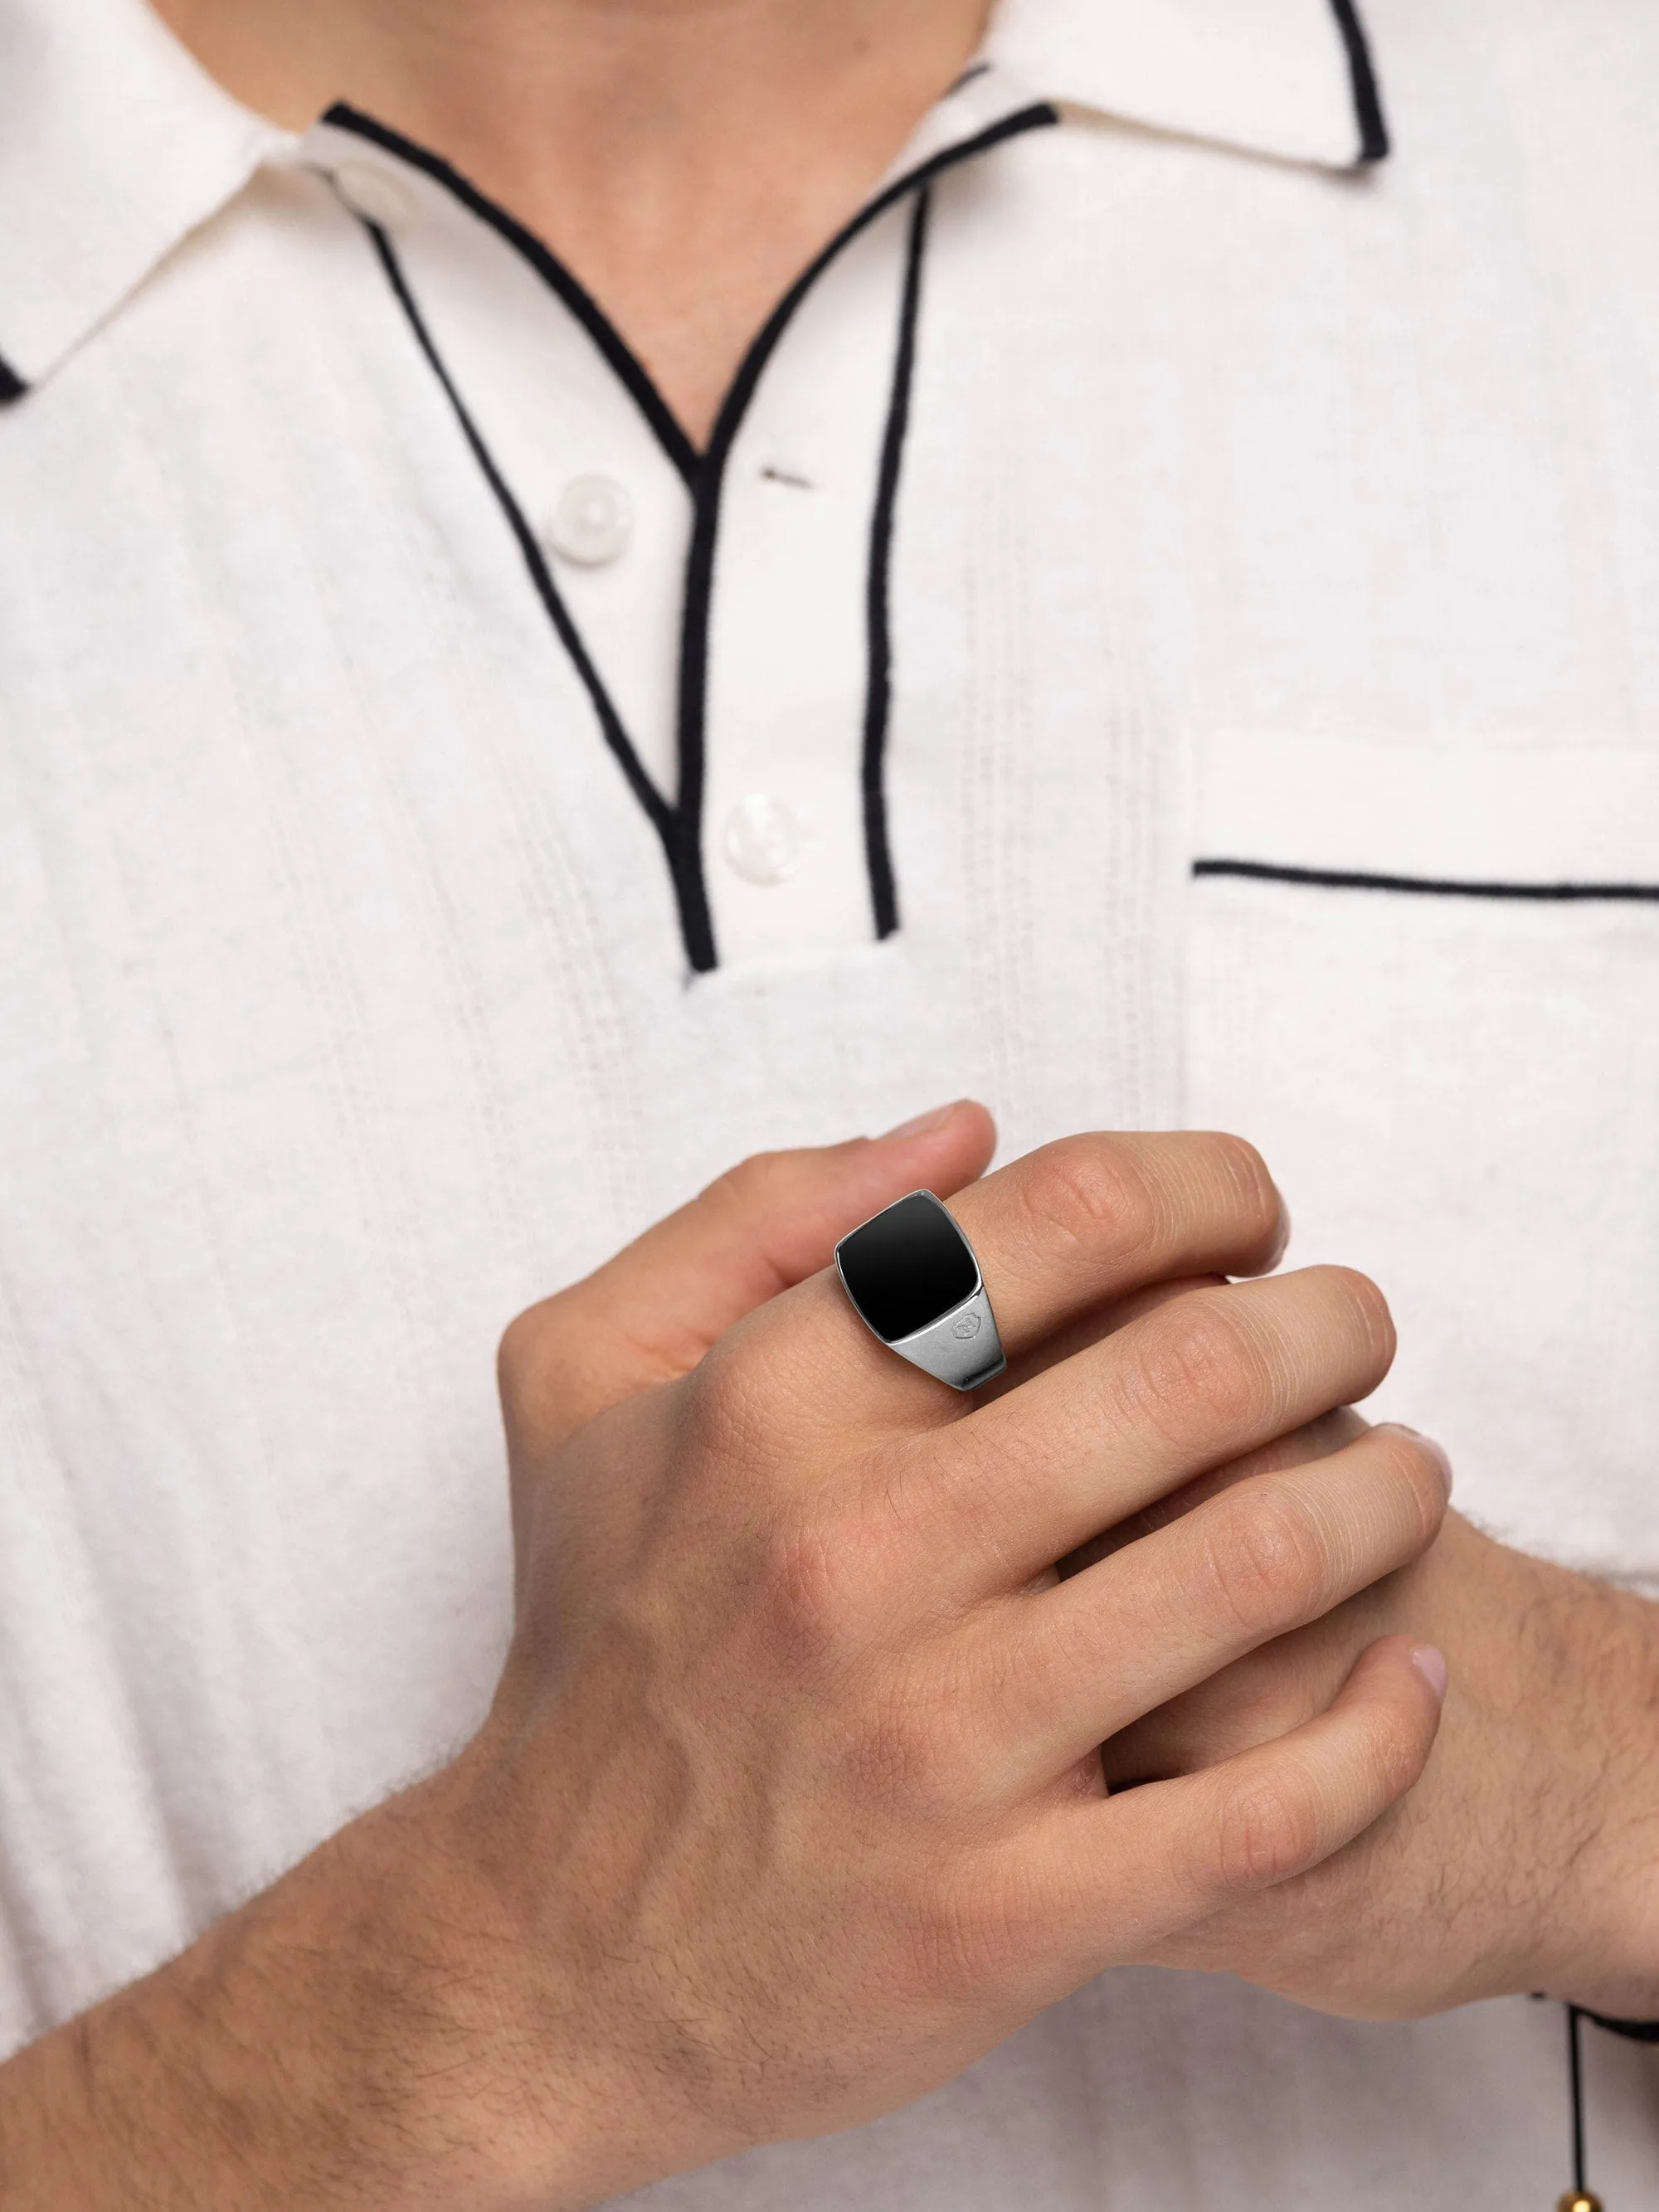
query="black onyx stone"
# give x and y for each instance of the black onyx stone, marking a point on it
(907, 1267)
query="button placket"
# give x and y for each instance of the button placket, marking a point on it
(789, 645)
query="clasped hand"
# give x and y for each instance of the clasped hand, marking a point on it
(792, 1798)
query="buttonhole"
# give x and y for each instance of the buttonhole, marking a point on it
(771, 474)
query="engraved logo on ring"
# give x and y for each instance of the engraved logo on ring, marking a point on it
(964, 1325)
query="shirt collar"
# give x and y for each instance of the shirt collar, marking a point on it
(1292, 79)
(114, 145)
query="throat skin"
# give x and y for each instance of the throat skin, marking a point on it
(685, 158)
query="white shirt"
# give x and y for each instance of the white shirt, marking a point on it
(1235, 520)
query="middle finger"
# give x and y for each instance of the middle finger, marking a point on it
(1026, 1479)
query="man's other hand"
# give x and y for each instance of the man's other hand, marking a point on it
(1526, 1857)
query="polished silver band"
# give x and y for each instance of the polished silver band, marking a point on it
(962, 1347)
(906, 1259)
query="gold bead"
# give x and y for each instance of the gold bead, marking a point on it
(1579, 2200)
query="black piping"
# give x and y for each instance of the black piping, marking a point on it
(705, 525)
(12, 385)
(883, 897)
(741, 391)
(1637, 2031)
(679, 826)
(581, 301)
(1348, 879)
(683, 869)
(1367, 99)
(1576, 2093)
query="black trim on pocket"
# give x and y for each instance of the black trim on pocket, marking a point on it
(1367, 98)
(1352, 879)
(12, 387)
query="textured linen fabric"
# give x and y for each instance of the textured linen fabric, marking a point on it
(1253, 509)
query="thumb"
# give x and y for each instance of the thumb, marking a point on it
(649, 1314)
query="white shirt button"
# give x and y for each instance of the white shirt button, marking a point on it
(374, 193)
(592, 522)
(764, 839)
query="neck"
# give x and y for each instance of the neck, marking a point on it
(686, 157)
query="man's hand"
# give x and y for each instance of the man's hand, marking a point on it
(790, 1802)
(791, 1794)
(1527, 1858)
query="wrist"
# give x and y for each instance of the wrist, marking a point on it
(1603, 1922)
(437, 2067)
(352, 2039)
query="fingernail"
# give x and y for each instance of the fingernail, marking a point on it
(935, 1118)
(1435, 1452)
(1430, 1664)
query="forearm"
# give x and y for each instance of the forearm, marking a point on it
(337, 2043)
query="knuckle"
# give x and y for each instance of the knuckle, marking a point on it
(1266, 1560)
(1412, 1466)
(516, 1352)
(1267, 1829)
(978, 1923)
(748, 1185)
(913, 1752)
(1364, 1309)
(811, 1590)
(1254, 1191)
(730, 1405)
(1091, 1192)
(527, 1354)
(1195, 1370)
(1398, 1749)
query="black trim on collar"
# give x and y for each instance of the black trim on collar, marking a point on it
(733, 407)
(1367, 98)
(552, 272)
(1637, 2031)
(684, 868)
(679, 825)
(12, 385)
(883, 897)
(705, 522)
(1350, 879)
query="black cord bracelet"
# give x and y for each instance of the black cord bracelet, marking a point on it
(1580, 2198)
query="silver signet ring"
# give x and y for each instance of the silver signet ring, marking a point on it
(915, 1282)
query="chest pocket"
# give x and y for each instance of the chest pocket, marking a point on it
(1425, 981)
